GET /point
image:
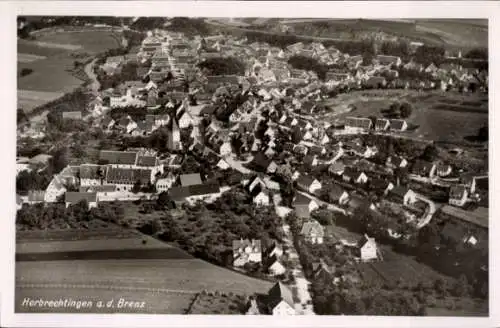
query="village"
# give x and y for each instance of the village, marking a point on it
(190, 130)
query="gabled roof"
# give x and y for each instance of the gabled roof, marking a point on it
(457, 191)
(400, 191)
(126, 175)
(397, 124)
(305, 180)
(241, 244)
(118, 157)
(335, 191)
(312, 227)
(301, 199)
(364, 240)
(279, 292)
(381, 123)
(146, 161)
(190, 179)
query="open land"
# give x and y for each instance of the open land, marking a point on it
(54, 53)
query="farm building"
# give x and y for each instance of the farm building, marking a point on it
(398, 125)
(125, 178)
(190, 179)
(193, 192)
(382, 124)
(388, 60)
(120, 158)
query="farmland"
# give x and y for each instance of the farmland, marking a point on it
(52, 57)
(109, 262)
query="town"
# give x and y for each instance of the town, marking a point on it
(303, 165)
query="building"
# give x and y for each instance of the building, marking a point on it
(119, 158)
(367, 248)
(174, 137)
(72, 115)
(309, 183)
(75, 197)
(280, 300)
(423, 168)
(357, 124)
(403, 195)
(304, 205)
(246, 251)
(388, 60)
(313, 232)
(337, 194)
(126, 178)
(396, 162)
(260, 195)
(274, 266)
(398, 125)
(164, 184)
(194, 192)
(91, 175)
(458, 195)
(382, 124)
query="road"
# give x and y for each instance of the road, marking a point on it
(429, 213)
(94, 85)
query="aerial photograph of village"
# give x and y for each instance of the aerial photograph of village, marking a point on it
(252, 166)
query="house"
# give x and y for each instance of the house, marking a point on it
(312, 232)
(310, 160)
(308, 183)
(325, 139)
(36, 196)
(255, 182)
(260, 196)
(403, 195)
(274, 266)
(246, 251)
(274, 250)
(260, 162)
(174, 137)
(382, 124)
(164, 184)
(423, 168)
(272, 167)
(398, 125)
(336, 168)
(367, 248)
(337, 194)
(223, 165)
(190, 179)
(120, 158)
(201, 191)
(280, 300)
(304, 205)
(388, 60)
(395, 162)
(126, 178)
(91, 175)
(458, 195)
(351, 174)
(72, 115)
(108, 123)
(355, 124)
(184, 118)
(75, 197)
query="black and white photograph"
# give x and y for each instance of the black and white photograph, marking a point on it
(259, 166)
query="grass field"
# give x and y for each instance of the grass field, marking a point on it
(461, 33)
(217, 304)
(438, 115)
(112, 262)
(29, 99)
(54, 54)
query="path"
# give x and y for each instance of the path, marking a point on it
(94, 85)
(428, 213)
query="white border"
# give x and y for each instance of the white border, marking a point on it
(342, 9)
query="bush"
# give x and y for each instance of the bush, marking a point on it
(26, 71)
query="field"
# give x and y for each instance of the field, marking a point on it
(118, 263)
(463, 34)
(438, 115)
(52, 57)
(29, 99)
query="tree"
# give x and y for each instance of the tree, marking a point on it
(430, 153)
(26, 71)
(461, 287)
(440, 287)
(405, 110)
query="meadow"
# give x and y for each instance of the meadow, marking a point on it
(52, 58)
